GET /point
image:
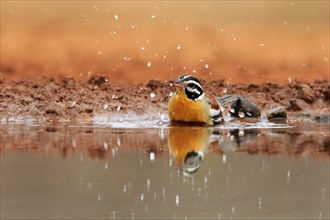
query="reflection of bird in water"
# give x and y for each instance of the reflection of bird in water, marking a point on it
(187, 146)
(236, 138)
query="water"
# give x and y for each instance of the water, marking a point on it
(93, 172)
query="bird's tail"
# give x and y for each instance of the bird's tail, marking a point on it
(227, 99)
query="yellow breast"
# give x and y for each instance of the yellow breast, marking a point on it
(181, 108)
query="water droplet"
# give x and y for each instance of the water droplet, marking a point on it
(105, 145)
(233, 209)
(178, 47)
(127, 58)
(152, 156)
(118, 142)
(116, 17)
(231, 137)
(118, 108)
(74, 143)
(149, 64)
(142, 196)
(323, 193)
(261, 45)
(152, 95)
(288, 175)
(225, 90)
(224, 158)
(171, 94)
(99, 53)
(142, 48)
(106, 166)
(259, 203)
(124, 188)
(241, 114)
(206, 66)
(148, 185)
(325, 58)
(284, 22)
(187, 28)
(241, 133)
(153, 16)
(177, 200)
(232, 110)
(320, 215)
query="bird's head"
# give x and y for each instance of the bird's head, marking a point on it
(191, 86)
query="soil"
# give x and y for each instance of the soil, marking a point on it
(68, 98)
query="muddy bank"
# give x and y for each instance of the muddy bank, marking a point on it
(68, 98)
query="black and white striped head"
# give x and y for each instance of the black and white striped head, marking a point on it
(192, 87)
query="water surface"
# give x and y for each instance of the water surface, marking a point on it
(95, 172)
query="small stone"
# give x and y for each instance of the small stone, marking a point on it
(297, 105)
(277, 113)
(51, 112)
(97, 80)
(243, 108)
(308, 95)
(88, 110)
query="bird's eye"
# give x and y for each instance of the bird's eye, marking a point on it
(191, 85)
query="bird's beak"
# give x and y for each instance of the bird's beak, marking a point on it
(179, 85)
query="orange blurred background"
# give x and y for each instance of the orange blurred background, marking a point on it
(135, 41)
